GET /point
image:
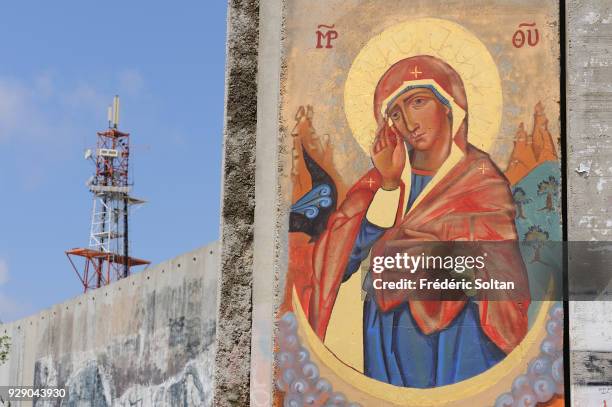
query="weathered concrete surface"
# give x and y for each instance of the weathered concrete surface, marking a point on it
(147, 340)
(589, 167)
(266, 248)
(592, 368)
(237, 207)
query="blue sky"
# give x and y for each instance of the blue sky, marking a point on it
(60, 66)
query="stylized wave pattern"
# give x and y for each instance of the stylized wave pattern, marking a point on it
(310, 204)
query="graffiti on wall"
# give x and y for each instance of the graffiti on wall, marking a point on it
(410, 127)
(92, 383)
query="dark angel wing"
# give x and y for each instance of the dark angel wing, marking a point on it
(311, 212)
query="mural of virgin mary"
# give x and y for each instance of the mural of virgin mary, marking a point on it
(428, 183)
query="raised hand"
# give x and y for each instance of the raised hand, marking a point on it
(302, 182)
(388, 155)
(319, 148)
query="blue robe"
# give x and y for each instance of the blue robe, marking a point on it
(395, 349)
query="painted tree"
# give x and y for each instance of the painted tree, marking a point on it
(550, 188)
(5, 345)
(520, 199)
(536, 236)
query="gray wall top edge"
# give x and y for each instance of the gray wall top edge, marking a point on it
(151, 272)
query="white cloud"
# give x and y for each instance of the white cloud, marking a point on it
(85, 96)
(11, 310)
(44, 85)
(27, 108)
(4, 271)
(14, 107)
(38, 113)
(12, 306)
(36, 117)
(131, 81)
(42, 107)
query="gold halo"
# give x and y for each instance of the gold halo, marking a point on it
(443, 39)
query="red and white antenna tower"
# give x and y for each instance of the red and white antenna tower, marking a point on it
(107, 258)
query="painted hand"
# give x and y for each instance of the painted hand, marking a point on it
(302, 181)
(319, 148)
(388, 155)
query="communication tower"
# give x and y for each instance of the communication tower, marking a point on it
(107, 257)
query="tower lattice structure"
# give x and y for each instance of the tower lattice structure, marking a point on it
(107, 257)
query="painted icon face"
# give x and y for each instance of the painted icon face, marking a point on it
(420, 118)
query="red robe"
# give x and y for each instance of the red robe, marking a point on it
(469, 203)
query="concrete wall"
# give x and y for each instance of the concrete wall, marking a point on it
(253, 261)
(150, 339)
(268, 249)
(589, 171)
(143, 341)
(589, 179)
(237, 206)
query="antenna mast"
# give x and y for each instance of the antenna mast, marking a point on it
(107, 258)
